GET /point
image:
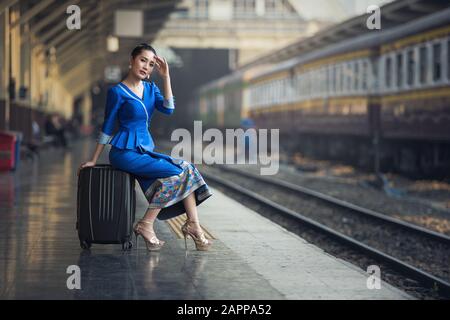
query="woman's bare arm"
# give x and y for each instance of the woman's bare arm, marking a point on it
(98, 151)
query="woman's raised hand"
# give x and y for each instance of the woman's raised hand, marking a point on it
(86, 164)
(163, 66)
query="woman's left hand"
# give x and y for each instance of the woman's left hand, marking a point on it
(163, 66)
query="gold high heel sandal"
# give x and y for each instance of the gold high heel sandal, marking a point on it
(153, 244)
(201, 243)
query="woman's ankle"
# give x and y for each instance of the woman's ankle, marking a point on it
(146, 222)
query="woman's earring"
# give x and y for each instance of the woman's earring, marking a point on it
(129, 66)
(148, 77)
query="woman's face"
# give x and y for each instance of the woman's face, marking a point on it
(143, 64)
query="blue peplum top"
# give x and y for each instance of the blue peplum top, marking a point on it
(133, 114)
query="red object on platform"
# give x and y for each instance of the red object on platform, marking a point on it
(7, 151)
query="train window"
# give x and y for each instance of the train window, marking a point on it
(364, 75)
(279, 91)
(287, 89)
(448, 59)
(261, 94)
(356, 76)
(244, 9)
(411, 66)
(258, 95)
(338, 78)
(275, 91)
(309, 89)
(347, 80)
(315, 82)
(253, 97)
(423, 59)
(328, 78)
(399, 67)
(322, 81)
(266, 94)
(298, 86)
(319, 81)
(307, 84)
(341, 78)
(292, 91)
(388, 72)
(302, 86)
(271, 91)
(283, 89)
(333, 78)
(437, 63)
(349, 72)
(201, 8)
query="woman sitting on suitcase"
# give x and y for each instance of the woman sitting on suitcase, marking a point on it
(171, 186)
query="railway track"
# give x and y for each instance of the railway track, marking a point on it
(422, 254)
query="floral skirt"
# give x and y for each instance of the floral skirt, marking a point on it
(165, 181)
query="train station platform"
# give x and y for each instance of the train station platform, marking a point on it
(251, 258)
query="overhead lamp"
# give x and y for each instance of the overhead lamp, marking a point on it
(112, 43)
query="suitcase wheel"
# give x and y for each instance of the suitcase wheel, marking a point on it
(85, 244)
(127, 245)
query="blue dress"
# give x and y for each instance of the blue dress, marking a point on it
(165, 181)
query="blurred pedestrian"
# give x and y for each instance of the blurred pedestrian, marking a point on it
(54, 127)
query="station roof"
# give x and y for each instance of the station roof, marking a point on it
(392, 14)
(44, 24)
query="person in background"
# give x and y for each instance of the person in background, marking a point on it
(55, 128)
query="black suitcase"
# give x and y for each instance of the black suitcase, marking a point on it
(106, 206)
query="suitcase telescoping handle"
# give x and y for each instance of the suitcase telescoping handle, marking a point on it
(100, 166)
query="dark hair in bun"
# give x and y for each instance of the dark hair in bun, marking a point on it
(141, 47)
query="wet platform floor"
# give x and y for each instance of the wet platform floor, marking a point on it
(39, 242)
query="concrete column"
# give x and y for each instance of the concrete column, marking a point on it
(5, 68)
(429, 70)
(15, 48)
(2, 57)
(25, 63)
(445, 43)
(416, 67)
